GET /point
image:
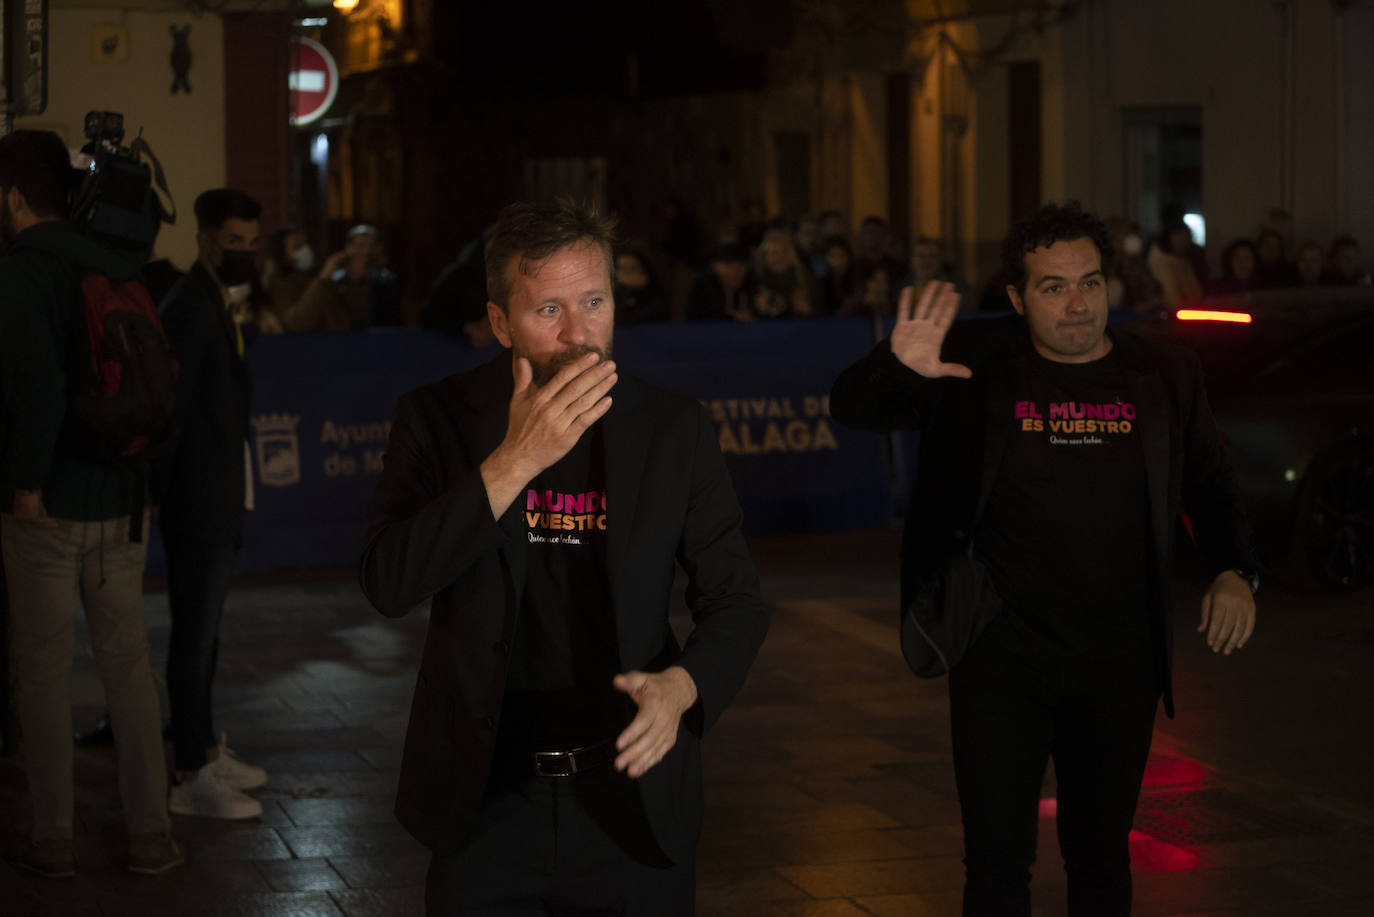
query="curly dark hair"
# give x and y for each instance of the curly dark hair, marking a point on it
(526, 235)
(1050, 224)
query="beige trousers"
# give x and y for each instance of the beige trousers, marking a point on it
(51, 573)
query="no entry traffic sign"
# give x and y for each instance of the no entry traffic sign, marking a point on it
(313, 81)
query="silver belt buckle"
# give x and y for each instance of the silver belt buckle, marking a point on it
(554, 763)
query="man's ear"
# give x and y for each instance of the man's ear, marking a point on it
(16, 202)
(1015, 298)
(500, 323)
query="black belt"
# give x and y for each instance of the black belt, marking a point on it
(573, 760)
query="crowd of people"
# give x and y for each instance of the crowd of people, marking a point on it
(352, 290)
(763, 269)
(1175, 268)
(756, 271)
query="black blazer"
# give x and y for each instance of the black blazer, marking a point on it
(200, 487)
(431, 534)
(965, 433)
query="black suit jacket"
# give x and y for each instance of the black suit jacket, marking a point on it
(965, 432)
(200, 487)
(431, 534)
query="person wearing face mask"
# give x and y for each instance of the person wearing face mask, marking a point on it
(289, 270)
(352, 292)
(202, 490)
(67, 524)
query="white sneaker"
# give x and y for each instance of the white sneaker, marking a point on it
(234, 771)
(208, 795)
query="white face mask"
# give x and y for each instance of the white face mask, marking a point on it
(304, 259)
(238, 294)
(1132, 245)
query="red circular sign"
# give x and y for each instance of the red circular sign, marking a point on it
(313, 81)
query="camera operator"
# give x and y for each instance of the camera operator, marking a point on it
(67, 533)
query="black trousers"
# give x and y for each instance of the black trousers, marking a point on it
(198, 575)
(1009, 715)
(561, 846)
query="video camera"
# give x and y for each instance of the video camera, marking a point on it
(122, 199)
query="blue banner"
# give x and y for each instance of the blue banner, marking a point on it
(323, 403)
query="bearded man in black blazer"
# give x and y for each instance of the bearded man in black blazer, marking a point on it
(552, 756)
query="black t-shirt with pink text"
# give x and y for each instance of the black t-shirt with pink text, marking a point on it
(558, 692)
(1064, 533)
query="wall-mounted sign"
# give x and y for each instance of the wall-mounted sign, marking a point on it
(313, 81)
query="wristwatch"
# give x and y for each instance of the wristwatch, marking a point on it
(1251, 578)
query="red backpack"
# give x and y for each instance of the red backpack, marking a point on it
(121, 373)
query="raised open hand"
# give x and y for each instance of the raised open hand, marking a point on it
(921, 328)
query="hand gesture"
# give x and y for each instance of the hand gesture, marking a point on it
(333, 263)
(545, 423)
(1228, 613)
(921, 328)
(662, 699)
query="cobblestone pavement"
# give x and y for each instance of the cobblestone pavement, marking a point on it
(829, 784)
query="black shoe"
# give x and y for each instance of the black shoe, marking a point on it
(101, 736)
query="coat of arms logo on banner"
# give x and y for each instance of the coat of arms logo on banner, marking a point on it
(279, 449)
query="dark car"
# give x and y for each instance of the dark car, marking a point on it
(1290, 376)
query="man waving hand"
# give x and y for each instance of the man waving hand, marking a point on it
(1058, 455)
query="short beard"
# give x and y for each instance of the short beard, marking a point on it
(545, 371)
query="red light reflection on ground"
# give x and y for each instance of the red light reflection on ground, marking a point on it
(1174, 771)
(1151, 855)
(1148, 853)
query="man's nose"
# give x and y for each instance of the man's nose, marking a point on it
(573, 328)
(1076, 301)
